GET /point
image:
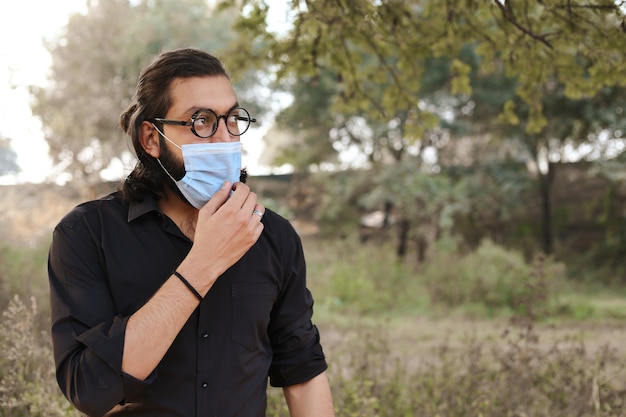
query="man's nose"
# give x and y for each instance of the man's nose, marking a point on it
(222, 134)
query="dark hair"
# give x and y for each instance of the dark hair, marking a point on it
(152, 99)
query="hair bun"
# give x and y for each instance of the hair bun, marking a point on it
(127, 116)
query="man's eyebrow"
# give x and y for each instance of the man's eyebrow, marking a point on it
(190, 111)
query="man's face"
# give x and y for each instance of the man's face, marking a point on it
(189, 95)
(192, 94)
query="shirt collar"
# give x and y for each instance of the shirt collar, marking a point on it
(139, 208)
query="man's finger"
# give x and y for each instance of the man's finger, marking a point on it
(218, 198)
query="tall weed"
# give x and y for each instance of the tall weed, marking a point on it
(517, 375)
(27, 380)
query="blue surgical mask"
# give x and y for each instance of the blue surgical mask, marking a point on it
(207, 167)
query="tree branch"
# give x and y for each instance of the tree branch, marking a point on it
(508, 16)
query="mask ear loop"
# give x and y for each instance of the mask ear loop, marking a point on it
(168, 174)
(168, 139)
(159, 160)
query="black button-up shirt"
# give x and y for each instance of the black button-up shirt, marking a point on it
(108, 257)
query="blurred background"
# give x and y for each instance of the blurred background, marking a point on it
(457, 172)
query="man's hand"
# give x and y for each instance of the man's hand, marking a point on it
(226, 229)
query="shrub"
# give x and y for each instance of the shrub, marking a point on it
(362, 278)
(493, 277)
(27, 381)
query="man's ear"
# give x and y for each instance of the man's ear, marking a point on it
(149, 139)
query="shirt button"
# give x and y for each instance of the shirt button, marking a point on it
(204, 385)
(205, 335)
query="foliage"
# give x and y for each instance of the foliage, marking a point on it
(366, 280)
(493, 277)
(308, 122)
(574, 129)
(336, 208)
(27, 383)
(403, 85)
(410, 77)
(497, 192)
(385, 43)
(427, 201)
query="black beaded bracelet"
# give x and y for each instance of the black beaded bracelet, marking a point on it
(188, 285)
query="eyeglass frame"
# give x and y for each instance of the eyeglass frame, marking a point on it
(192, 122)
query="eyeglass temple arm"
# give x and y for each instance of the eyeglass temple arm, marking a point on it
(172, 122)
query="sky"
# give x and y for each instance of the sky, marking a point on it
(24, 61)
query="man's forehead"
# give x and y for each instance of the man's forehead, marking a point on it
(191, 94)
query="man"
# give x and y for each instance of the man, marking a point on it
(180, 294)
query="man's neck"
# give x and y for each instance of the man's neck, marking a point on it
(182, 214)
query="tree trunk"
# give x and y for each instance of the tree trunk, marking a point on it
(403, 237)
(387, 217)
(422, 247)
(545, 191)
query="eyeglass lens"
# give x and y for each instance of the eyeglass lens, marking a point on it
(205, 122)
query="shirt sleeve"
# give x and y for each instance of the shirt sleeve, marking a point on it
(87, 334)
(298, 355)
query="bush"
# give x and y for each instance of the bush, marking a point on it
(360, 278)
(493, 277)
(27, 379)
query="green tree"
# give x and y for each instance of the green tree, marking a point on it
(308, 121)
(372, 43)
(378, 52)
(571, 125)
(95, 67)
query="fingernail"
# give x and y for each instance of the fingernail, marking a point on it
(226, 185)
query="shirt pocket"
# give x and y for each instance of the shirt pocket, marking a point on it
(252, 307)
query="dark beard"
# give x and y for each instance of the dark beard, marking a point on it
(174, 167)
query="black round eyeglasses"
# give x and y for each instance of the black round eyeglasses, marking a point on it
(204, 122)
